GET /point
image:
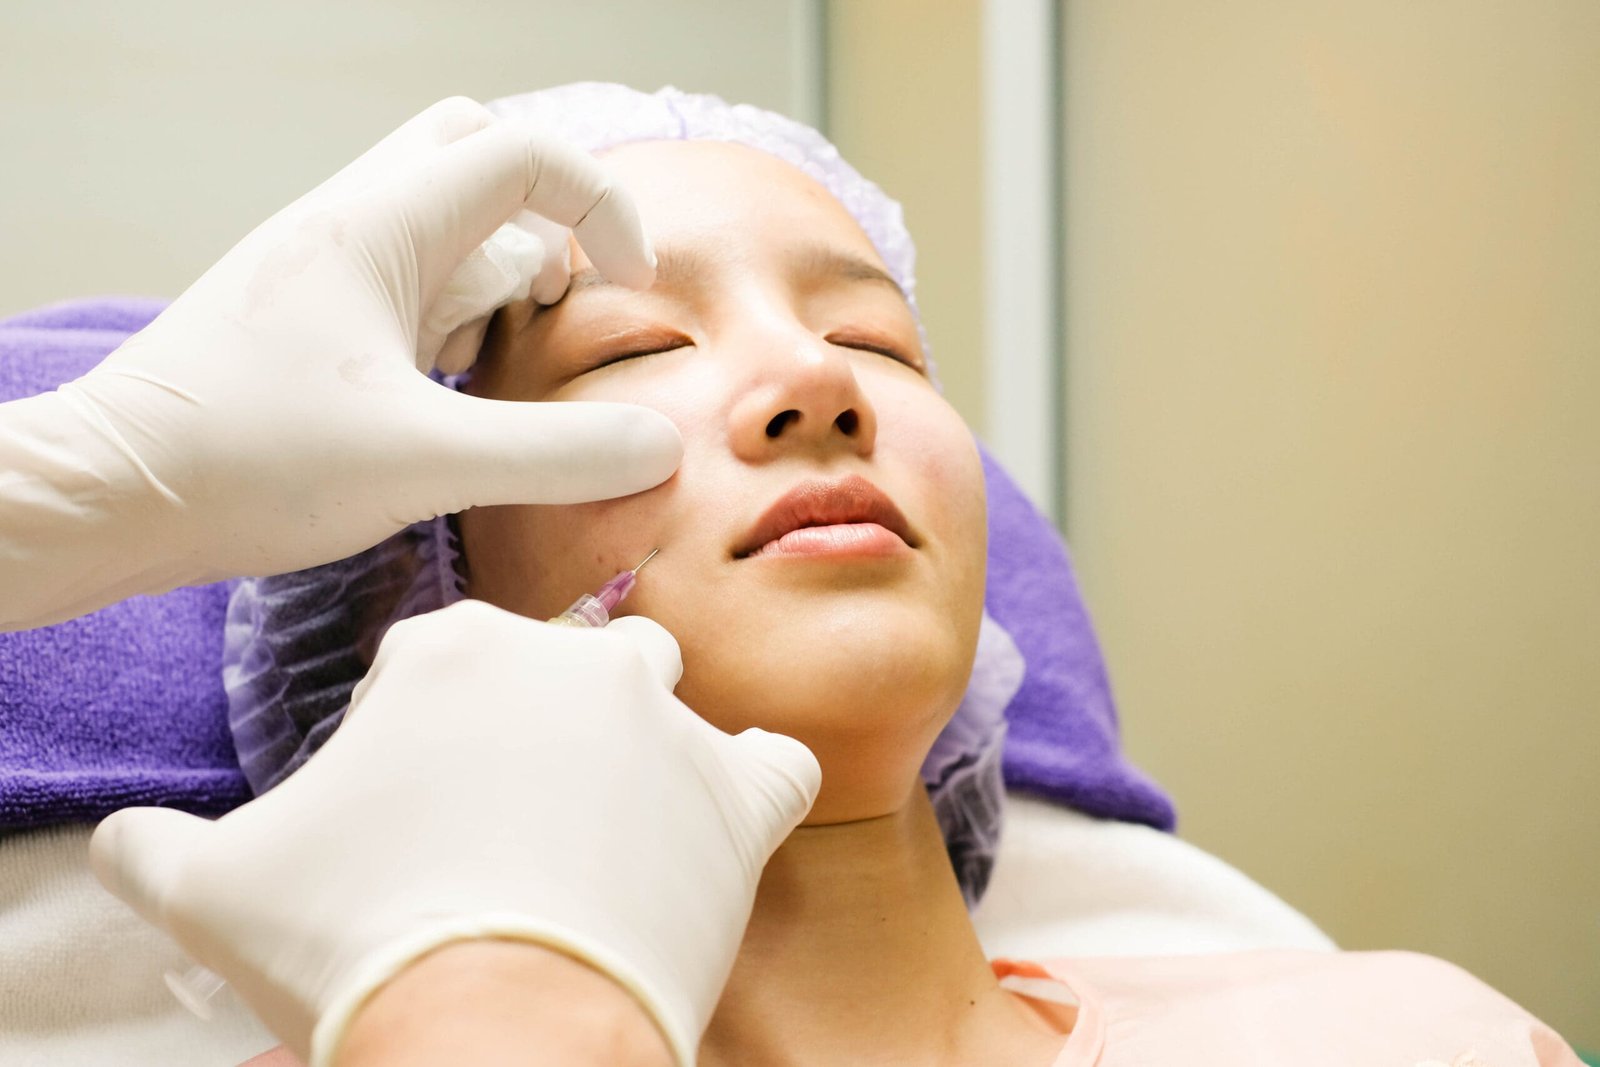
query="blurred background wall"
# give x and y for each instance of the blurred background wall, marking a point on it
(1331, 360)
(141, 141)
(1332, 305)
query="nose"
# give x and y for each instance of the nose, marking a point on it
(804, 397)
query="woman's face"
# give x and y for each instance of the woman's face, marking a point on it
(822, 546)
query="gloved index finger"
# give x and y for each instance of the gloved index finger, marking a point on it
(573, 188)
(454, 201)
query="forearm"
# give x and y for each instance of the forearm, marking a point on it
(502, 1002)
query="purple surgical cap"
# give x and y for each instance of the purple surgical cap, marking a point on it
(296, 644)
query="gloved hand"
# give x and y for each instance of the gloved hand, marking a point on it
(272, 418)
(496, 777)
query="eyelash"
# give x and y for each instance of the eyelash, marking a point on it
(859, 346)
(882, 350)
(623, 357)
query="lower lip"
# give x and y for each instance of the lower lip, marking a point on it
(865, 540)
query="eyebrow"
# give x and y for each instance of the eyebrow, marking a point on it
(678, 267)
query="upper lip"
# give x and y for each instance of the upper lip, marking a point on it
(825, 503)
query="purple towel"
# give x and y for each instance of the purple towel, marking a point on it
(1061, 727)
(126, 706)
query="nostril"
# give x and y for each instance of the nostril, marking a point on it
(848, 422)
(780, 421)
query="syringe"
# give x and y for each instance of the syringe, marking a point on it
(196, 987)
(596, 610)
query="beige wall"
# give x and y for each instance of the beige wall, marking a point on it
(1333, 307)
(904, 107)
(142, 140)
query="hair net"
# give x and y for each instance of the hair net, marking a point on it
(296, 644)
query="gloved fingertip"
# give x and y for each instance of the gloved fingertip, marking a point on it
(656, 445)
(506, 452)
(625, 448)
(133, 853)
(650, 257)
(659, 648)
(786, 757)
(613, 236)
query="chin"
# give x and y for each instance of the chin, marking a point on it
(866, 690)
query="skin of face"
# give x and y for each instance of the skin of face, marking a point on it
(782, 359)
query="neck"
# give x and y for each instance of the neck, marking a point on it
(860, 950)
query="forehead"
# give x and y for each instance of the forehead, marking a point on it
(714, 190)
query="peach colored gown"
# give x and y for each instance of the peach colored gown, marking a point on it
(1282, 1008)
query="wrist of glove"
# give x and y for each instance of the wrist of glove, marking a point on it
(496, 777)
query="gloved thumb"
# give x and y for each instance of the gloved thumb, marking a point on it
(138, 852)
(789, 774)
(659, 648)
(508, 452)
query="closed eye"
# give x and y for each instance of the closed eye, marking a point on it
(639, 353)
(877, 347)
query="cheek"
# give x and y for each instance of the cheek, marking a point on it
(535, 560)
(933, 444)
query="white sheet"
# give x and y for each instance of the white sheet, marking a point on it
(81, 976)
(81, 980)
(1065, 884)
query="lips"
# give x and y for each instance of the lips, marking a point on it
(850, 501)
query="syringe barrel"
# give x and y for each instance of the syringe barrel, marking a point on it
(585, 611)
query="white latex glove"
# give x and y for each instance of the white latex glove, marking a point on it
(496, 777)
(272, 418)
